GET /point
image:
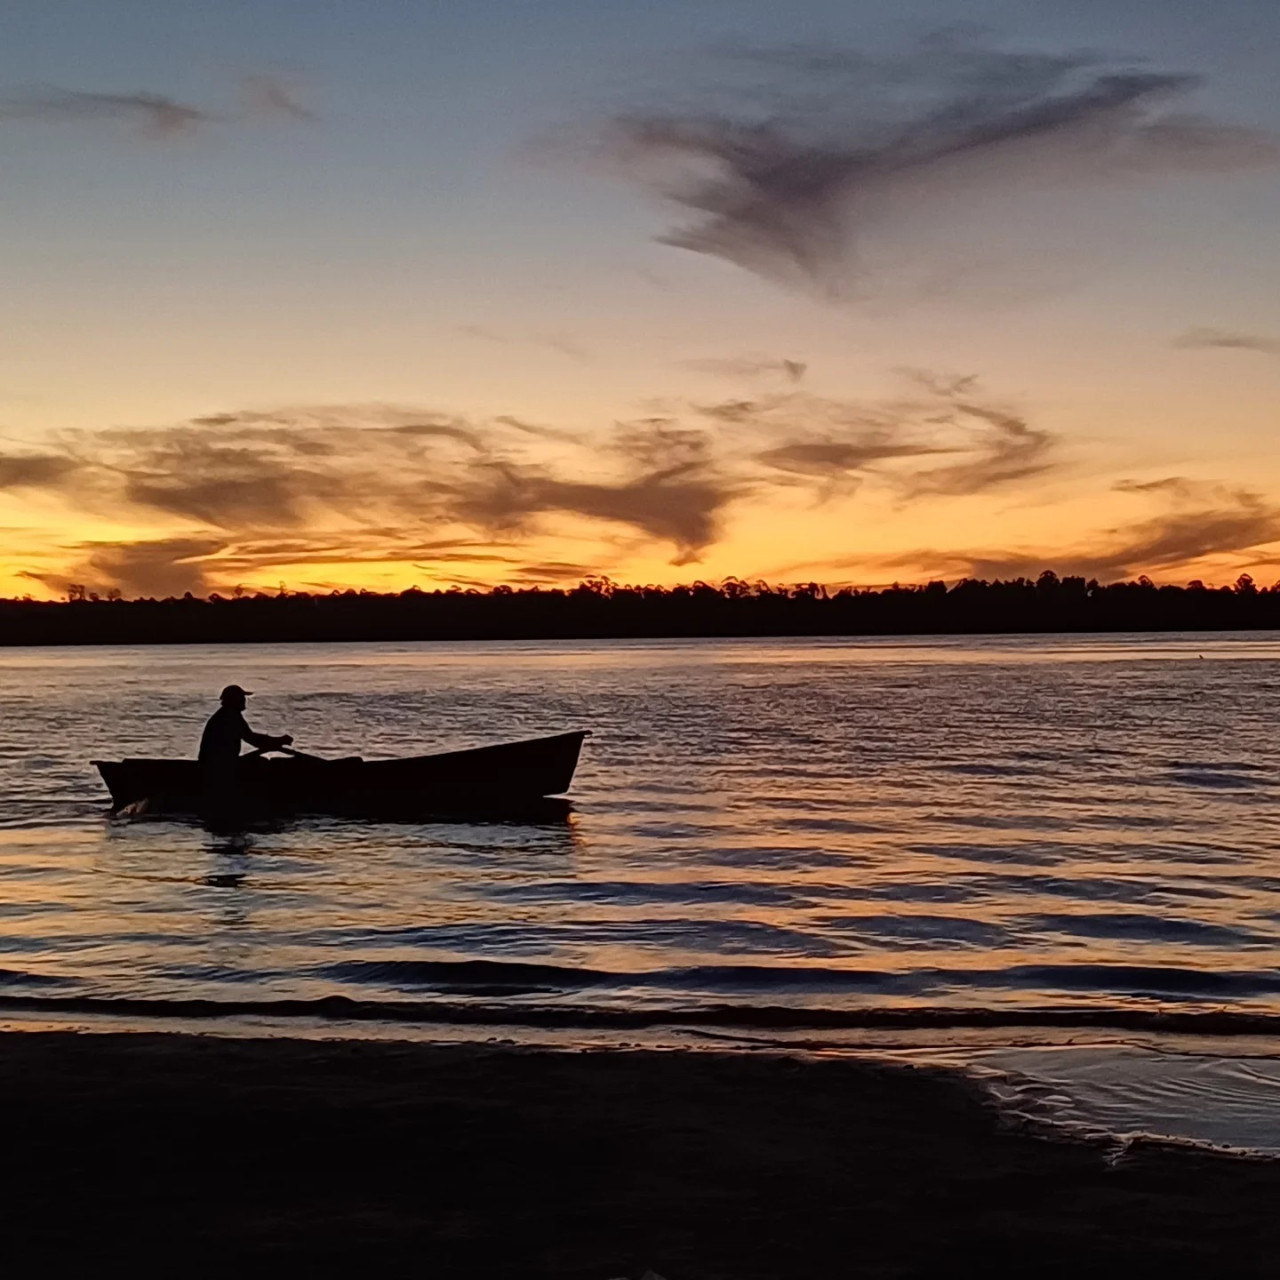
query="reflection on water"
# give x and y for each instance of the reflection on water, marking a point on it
(963, 822)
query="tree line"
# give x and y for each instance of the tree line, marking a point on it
(599, 608)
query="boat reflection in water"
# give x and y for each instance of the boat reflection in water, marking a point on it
(516, 781)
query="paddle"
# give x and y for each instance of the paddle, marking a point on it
(259, 752)
(302, 755)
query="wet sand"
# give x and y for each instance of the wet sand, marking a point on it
(190, 1154)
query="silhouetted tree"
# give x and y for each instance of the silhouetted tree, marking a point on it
(599, 607)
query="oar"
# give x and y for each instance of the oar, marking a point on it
(259, 752)
(302, 755)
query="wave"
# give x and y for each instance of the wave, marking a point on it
(340, 1009)
(21, 978)
(514, 977)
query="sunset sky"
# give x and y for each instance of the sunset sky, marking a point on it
(385, 292)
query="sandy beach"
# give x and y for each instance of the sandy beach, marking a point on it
(194, 1153)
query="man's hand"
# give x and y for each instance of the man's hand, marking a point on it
(285, 739)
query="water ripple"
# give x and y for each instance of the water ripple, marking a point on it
(967, 823)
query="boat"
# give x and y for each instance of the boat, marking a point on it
(508, 778)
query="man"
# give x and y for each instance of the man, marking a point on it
(226, 730)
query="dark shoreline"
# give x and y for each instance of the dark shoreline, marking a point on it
(598, 609)
(192, 1153)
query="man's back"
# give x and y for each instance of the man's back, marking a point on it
(220, 741)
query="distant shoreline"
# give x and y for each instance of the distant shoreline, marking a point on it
(600, 610)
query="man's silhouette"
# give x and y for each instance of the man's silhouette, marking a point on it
(223, 734)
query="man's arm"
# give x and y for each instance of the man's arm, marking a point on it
(263, 741)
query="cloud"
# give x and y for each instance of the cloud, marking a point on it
(1204, 520)
(161, 567)
(748, 367)
(283, 469)
(836, 461)
(540, 431)
(1228, 339)
(786, 175)
(332, 484)
(35, 471)
(1006, 450)
(556, 572)
(671, 490)
(838, 443)
(153, 113)
(560, 343)
(244, 494)
(1200, 521)
(271, 96)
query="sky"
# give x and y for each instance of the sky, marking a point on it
(381, 293)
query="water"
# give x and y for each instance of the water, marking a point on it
(1125, 1092)
(1004, 825)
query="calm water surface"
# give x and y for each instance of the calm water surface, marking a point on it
(1004, 823)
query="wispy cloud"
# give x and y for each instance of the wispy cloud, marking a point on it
(798, 153)
(335, 484)
(559, 343)
(267, 95)
(840, 443)
(747, 367)
(240, 493)
(1006, 450)
(1228, 340)
(153, 113)
(1200, 521)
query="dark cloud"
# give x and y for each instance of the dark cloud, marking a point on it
(672, 493)
(162, 567)
(154, 113)
(166, 567)
(747, 367)
(224, 477)
(1229, 340)
(666, 485)
(35, 470)
(800, 153)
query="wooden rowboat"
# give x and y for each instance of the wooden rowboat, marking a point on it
(498, 779)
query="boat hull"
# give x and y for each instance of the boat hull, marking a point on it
(508, 777)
